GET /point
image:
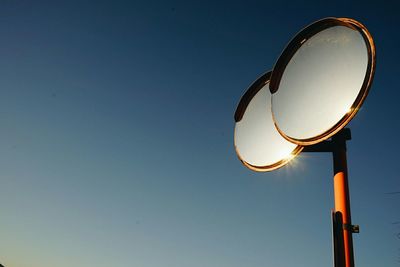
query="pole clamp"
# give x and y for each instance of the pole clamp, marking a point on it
(352, 228)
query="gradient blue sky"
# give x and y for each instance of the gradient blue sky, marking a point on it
(116, 148)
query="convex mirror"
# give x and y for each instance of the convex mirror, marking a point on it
(321, 79)
(258, 144)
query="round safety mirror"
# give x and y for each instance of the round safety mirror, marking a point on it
(257, 142)
(321, 79)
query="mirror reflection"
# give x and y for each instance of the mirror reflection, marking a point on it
(258, 144)
(320, 83)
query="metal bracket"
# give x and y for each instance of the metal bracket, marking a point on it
(331, 145)
(351, 228)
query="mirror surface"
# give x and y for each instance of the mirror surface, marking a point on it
(320, 83)
(257, 141)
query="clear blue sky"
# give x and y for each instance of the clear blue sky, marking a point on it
(116, 148)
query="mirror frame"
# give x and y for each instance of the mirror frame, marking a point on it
(254, 88)
(294, 46)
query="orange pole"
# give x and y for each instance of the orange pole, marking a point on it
(342, 197)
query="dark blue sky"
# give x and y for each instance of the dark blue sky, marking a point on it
(116, 123)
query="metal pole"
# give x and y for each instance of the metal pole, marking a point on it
(342, 196)
(341, 218)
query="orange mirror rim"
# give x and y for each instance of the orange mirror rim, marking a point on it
(292, 48)
(254, 88)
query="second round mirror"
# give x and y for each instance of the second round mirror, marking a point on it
(257, 142)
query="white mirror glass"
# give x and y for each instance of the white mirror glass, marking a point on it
(320, 83)
(257, 141)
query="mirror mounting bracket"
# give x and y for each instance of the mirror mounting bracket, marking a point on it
(338, 140)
